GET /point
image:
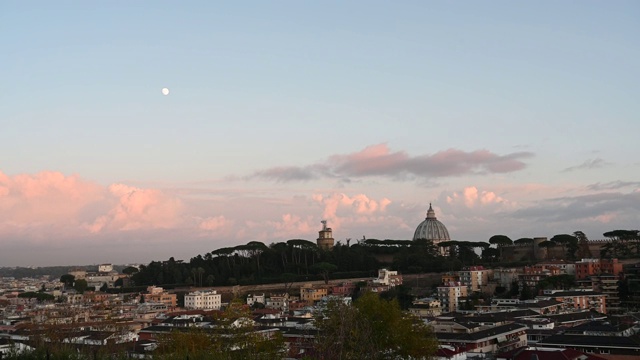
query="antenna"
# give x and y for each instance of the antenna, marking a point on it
(324, 224)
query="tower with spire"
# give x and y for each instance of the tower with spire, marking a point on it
(325, 237)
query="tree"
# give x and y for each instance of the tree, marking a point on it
(547, 245)
(39, 296)
(104, 287)
(288, 279)
(210, 280)
(130, 270)
(514, 290)
(235, 337)
(526, 293)
(324, 269)
(372, 329)
(523, 241)
(583, 245)
(567, 241)
(563, 281)
(623, 240)
(500, 240)
(67, 280)
(80, 285)
(491, 254)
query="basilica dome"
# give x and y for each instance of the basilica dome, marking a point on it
(431, 229)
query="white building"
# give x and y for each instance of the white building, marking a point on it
(388, 278)
(278, 302)
(255, 298)
(565, 267)
(105, 268)
(203, 300)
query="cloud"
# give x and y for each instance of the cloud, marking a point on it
(588, 164)
(51, 206)
(342, 210)
(137, 208)
(45, 201)
(613, 185)
(214, 223)
(584, 208)
(471, 197)
(378, 160)
(290, 226)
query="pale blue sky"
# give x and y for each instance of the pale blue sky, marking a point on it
(260, 85)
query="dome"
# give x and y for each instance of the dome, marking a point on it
(431, 229)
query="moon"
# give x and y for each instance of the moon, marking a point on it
(165, 91)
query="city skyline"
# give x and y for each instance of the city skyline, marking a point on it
(515, 119)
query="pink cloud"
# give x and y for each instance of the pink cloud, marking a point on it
(214, 223)
(291, 226)
(379, 160)
(340, 208)
(137, 208)
(46, 199)
(471, 197)
(50, 205)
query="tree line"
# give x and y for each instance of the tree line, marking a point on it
(302, 260)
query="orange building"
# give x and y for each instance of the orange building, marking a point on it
(590, 267)
(158, 295)
(532, 275)
(311, 294)
(450, 277)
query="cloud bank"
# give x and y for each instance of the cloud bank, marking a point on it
(378, 160)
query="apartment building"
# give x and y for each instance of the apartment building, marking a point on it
(589, 267)
(578, 299)
(203, 300)
(450, 294)
(157, 294)
(311, 294)
(474, 277)
(388, 278)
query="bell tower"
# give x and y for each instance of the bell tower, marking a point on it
(325, 237)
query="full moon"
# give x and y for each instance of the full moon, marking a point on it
(165, 91)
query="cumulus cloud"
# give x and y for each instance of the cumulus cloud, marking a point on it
(588, 165)
(471, 197)
(137, 208)
(45, 200)
(378, 160)
(52, 205)
(340, 208)
(290, 226)
(214, 223)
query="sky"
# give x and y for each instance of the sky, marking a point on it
(515, 118)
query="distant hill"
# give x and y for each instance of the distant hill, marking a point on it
(52, 271)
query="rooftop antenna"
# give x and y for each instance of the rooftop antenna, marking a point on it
(324, 224)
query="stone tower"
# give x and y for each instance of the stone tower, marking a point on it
(325, 237)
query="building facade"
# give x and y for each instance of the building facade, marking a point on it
(450, 295)
(203, 300)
